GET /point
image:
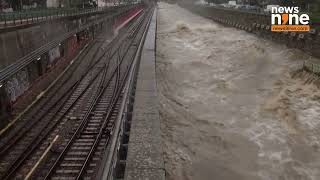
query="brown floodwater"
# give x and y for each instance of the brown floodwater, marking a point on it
(230, 109)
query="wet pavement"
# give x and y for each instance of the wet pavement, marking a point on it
(229, 106)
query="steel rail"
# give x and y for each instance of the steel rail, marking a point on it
(105, 169)
(46, 92)
(110, 108)
(51, 95)
(20, 159)
(119, 91)
(116, 73)
(37, 141)
(109, 48)
(25, 130)
(101, 88)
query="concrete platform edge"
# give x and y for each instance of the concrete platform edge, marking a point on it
(145, 154)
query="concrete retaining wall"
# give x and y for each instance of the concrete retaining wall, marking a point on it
(259, 24)
(16, 44)
(26, 84)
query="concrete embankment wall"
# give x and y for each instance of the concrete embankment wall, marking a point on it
(18, 42)
(259, 24)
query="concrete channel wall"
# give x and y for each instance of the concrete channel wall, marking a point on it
(259, 24)
(145, 154)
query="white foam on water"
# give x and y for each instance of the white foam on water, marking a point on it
(214, 83)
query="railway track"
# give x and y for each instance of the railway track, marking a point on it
(79, 121)
(96, 50)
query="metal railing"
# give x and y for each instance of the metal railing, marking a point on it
(29, 17)
(314, 17)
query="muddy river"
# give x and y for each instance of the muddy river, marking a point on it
(230, 108)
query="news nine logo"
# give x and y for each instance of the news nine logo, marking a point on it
(289, 19)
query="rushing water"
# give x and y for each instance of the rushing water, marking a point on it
(229, 107)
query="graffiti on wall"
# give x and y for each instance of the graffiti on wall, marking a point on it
(17, 85)
(54, 54)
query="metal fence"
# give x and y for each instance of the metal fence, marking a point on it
(29, 17)
(314, 17)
